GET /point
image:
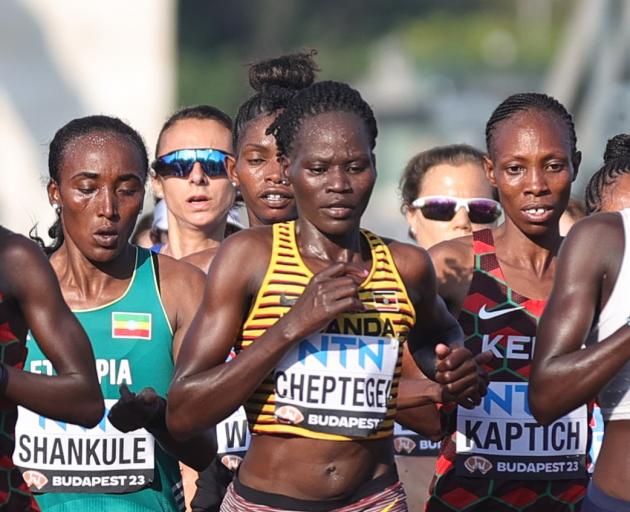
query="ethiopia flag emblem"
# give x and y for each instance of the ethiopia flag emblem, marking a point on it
(131, 325)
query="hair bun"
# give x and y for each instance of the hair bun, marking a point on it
(618, 147)
(294, 72)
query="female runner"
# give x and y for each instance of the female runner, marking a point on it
(318, 310)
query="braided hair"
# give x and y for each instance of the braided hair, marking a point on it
(529, 101)
(64, 137)
(275, 81)
(317, 99)
(616, 163)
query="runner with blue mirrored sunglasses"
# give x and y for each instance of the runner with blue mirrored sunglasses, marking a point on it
(180, 163)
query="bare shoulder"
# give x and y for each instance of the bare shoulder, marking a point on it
(596, 241)
(202, 259)
(591, 226)
(247, 249)
(412, 262)
(174, 272)
(18, 252)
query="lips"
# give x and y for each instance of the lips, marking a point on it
(338, 210)
(276, 198)
(198, 201)
(538, 213)
(106, 237)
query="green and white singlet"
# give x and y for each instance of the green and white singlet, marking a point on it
(101, 469)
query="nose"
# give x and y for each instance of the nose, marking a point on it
(197, 176)
(461, 221)
(108, 204)
(338, 180)
(537, 182)
(273, 172)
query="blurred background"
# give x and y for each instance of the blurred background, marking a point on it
(433, 70)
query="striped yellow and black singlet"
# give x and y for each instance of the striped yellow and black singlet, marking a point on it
(388, 311)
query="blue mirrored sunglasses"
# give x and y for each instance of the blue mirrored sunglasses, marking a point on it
(180, 163)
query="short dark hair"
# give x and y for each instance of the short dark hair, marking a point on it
(419, 165)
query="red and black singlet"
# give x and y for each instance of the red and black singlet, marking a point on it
(497, 457)
(14, 493)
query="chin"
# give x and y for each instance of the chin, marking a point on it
(104, 254)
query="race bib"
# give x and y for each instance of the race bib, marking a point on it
(408, 442)
(233, 439)
(501, 439)
(62, 457)
(337, 384)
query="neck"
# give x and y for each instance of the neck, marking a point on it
(253, 220)
(185, 239)
(331, 248)
(536, 252)
(84, 280)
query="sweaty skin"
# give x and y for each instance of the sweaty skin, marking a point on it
(332, 173)
(565, 375)
(100, 190)
(30, 299)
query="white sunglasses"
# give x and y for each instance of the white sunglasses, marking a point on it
(481, 210)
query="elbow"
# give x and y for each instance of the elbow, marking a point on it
(93, 414)
(541, 408)
(179, 429)
(88, 406)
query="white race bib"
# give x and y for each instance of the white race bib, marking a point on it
(501, 439)
(62, 457)
(336, 383)
(233, 439)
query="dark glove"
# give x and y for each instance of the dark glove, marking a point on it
(133, 411)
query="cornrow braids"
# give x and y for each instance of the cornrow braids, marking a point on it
(617, 148)
(529, 101)
(321, 97)
(601, 180)
(63, 139)
(275, 81)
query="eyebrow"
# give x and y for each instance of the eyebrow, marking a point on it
(94, 175)
(256, 147)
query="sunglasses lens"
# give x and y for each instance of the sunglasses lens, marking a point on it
(438, 209)
(483, 211)
(180, 163)
(214, 167)
(178, 168)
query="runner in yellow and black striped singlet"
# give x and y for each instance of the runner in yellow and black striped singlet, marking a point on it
(320, 366)
(319, 311)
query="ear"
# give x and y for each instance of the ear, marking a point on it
(156, 185)
(285, 164)
(54, 197)
(230, 168)
(577, 160)
(488, 168)
(373, 157)
(409, 216)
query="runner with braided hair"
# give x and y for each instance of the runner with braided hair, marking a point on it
(318, 310)
(497, 458)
